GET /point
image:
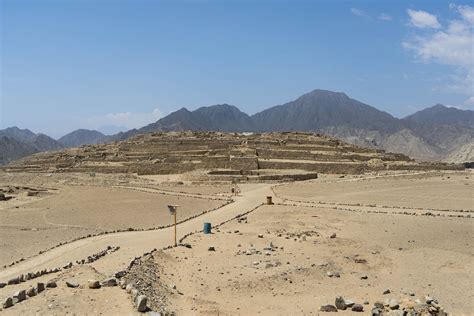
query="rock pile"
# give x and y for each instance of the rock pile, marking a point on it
(416, 307)
(390, 307)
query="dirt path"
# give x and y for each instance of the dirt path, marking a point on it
(135, 243)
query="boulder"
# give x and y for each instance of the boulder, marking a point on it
(31, 292)
(376, 311)
(19, 296)
(349, 303)
(14, 281)
(2, 196)
(393, 304)
(39, 287)
(2, 285)
(141, 302)
(357, 308)
(109, 282)
(328, 308)
(8, 302)
(51, 284)
(72, 284)
(93, 284)
(340, 303)
(120, 274)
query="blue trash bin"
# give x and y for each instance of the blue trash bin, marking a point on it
(207, 228)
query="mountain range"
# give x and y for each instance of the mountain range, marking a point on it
(435, 133)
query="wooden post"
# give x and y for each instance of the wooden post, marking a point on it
(173, 210)
(175, 242)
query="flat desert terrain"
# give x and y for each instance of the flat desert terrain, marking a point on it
(399, 239)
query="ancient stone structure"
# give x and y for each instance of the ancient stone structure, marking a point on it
(224, 153)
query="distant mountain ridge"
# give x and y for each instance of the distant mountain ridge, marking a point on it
(435, 133)
(441, 115)
(82, 137)
(320, 109)
(431, 134)
(17, 143)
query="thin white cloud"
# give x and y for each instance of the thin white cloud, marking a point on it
(125, 119)
(384, 17)
(357, 12)
(423, 19)
(361, 13)
(452, 45)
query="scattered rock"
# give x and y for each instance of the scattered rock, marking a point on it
(349, 303)
(93, 284)
(31, 292)
(393, 304)
(120, 274)
(333, 235)
(340, 303)
(14, 281)
(2, 285)
(68, 266)
(211, 248)
(19, 296)
(357, 308)
(140, 302)
(328, 308)
(260, 235)
(72, 284)
(109, 282)
(39, 287)
(51, 284)
(387, 291)
(8, 302)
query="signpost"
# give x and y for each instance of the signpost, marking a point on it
(173, 209)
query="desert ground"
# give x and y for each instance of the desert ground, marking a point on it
(409, 235)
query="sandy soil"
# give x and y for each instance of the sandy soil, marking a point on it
(408, 254)
(440, 192)
(402, 254)
(31, 224)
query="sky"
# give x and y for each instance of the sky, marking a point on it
(115, 65)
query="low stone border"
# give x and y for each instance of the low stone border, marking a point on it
(208, 197)
(316, 205)
(33, 275)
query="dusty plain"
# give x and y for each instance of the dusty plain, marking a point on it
(354, 236)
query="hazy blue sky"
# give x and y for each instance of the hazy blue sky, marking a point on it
(70, 64)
